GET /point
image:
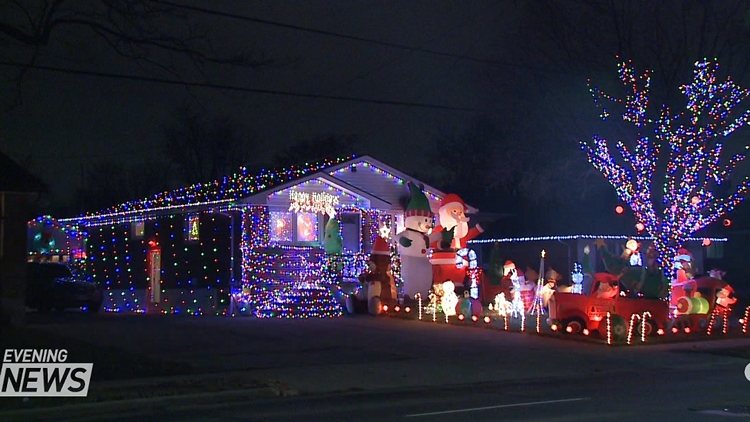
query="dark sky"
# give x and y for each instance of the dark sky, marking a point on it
(67, 121)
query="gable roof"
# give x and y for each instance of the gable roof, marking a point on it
(244, 187)
(15, 178)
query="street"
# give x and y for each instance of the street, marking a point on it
(627, 396)
(375, 369)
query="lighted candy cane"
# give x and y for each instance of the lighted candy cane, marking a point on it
(744, 320)
(713, 319)
(633, 318)
(523, 322)
(644, 320)
(419, 303)
(538, 321)
(505, 319)
(609, 328)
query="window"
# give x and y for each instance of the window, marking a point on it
(294, 227)
(282, 229)
(307, 227)
(138, 229)
(192, 231)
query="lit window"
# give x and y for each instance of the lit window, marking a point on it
(282, 228)
(192, 232)
(139, 229)
(307, 227)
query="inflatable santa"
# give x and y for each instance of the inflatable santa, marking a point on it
(452, 213)
(414, 243)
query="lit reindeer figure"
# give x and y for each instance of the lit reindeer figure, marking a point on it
(502, 306)
(517, 307)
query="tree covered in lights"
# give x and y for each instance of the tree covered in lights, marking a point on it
(685, 148)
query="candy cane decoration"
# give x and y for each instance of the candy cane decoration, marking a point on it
(419, 301)
(644, 320)
(744, 320)
(724, 317)
(505, 319)
(609, 328)
(538, 322)
(633, 318)
(523, 322)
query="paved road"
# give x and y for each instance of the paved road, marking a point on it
(627, 396)
(496, 370)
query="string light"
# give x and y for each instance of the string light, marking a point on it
(418, 296)
(609, 328)
(744, 320)
(583, 237)
(694, 139)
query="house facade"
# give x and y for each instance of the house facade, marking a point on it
(211, 248)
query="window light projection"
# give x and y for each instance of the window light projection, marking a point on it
(695, 139)
(192, 232)
(282, 227)
(307, 227)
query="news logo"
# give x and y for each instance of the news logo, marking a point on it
(43, 373)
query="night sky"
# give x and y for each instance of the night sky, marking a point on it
(502, 59)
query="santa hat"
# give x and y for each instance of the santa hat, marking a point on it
(728, 288)
(452, 198)
(380, 247)
(418, 204)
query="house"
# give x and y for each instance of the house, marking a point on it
(220, 246)
(19, 192)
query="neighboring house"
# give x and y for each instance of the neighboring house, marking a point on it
(19, 192)
(562, 252)
(193, 249)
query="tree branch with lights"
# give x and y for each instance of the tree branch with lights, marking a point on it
(694, 140)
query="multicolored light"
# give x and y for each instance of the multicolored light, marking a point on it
(695, 140)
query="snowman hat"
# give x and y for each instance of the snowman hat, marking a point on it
(452, 198)
(380, 247)
(418, 204)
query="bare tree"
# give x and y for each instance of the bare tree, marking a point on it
(316, 149)
(204, 148)
(112, 182)
(161, 38)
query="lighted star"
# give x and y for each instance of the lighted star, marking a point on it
(385, 231)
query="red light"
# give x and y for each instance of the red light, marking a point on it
(554, 327)
(585, 331)
(660, 331)
(569, 329)
(640, 227)
(675, 330)
(687, 330)
(407, 309)
(397, 308)
(706, 242)
(461, 317)
(487, 320)
(619, 209)
(385, 308)
(727, 222)
(474, 318)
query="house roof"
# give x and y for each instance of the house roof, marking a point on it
(252, 188)
(15, 178)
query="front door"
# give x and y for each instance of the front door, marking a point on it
(154, 274)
